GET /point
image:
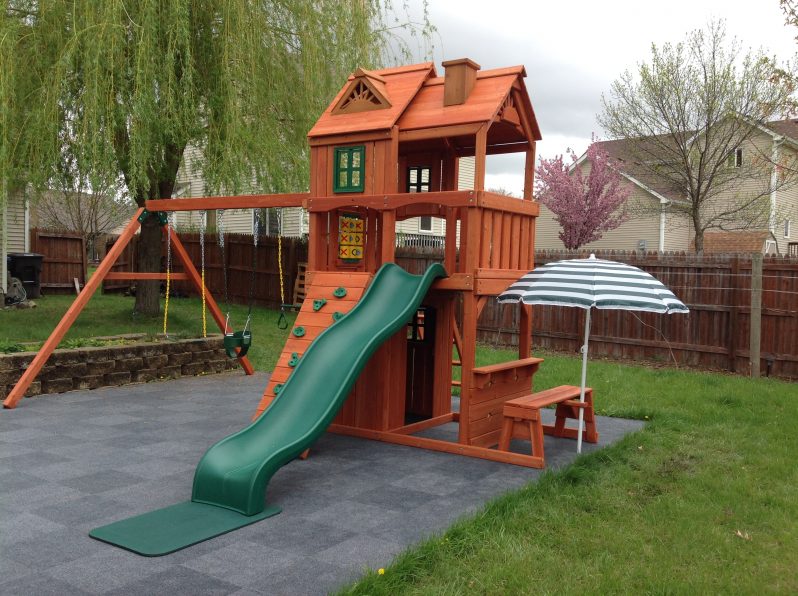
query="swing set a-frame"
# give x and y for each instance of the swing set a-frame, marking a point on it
(159, 209)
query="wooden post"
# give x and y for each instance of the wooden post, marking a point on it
(38, 362)
(756, 313)
(734, 299)
(529, 173)
(387, 236)
(525, 332)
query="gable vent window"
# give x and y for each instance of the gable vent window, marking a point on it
(735, 159)
(350, 169)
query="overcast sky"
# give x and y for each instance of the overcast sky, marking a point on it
(574, 50)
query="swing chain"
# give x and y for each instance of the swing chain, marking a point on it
(282, 321)
(203, 228)
(169, 225)
(220, 229)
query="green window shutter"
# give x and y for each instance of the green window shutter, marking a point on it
(349, 170)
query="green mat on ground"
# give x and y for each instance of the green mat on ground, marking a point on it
(169, 529)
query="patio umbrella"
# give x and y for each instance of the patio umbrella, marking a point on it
(592, 283)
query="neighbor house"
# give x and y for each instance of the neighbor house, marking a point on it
(665, 228)
(14, 232)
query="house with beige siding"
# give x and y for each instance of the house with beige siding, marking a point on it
(656, 223)
(190, 183)
(14, 232)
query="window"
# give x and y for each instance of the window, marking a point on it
(425, 223)
(735, 159)
(350, 169)
(267, 221)
(787, 228)
(418, 179)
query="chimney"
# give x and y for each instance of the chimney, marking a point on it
(459, 78)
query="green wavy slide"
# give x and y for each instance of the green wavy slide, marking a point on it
(231, 478)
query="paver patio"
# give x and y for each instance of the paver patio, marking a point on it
(72, 462)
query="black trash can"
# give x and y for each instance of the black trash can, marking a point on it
(27, 267)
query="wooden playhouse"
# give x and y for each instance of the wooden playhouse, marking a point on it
(387, 149)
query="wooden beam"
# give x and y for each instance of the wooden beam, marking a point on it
(392, 201)
(518, 459)
(456, 281)
(344, 139)
(424, 424)
(439, 132)
(501, 149)
(491, 200)
(18, 391)
(133, 275)
(231, 202)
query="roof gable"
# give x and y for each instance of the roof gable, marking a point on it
(366, 92)
(396, 85)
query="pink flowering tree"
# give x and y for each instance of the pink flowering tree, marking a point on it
(585, 206)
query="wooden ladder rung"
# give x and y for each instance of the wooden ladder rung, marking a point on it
(457, 383)
(456, 363)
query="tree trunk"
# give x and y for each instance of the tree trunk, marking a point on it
(149, 261)
(699, 241)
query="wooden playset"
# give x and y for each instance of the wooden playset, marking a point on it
(387, 149)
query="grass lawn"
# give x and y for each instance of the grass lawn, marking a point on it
(112, 314)
(702, 500)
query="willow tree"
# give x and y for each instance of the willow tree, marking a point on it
(117, 89)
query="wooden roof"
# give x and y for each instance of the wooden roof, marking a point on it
(400, 85)
(415, 94)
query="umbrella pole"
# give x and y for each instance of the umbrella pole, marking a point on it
(584, 381)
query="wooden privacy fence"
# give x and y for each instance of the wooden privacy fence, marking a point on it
(64, 259)
(237, 262)
(716, 334)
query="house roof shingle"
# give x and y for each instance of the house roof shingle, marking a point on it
(629, 162)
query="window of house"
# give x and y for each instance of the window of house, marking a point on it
(425, 223)
(267, 221)
(350, 169)
(418, 178)
(787, 228)
(736, 158)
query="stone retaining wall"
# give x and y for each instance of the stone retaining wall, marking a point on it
(90, 367)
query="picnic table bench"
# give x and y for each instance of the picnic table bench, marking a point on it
(522, 417)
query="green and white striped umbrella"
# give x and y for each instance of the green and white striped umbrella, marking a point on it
(593, 283)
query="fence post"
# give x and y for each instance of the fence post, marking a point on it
(733, 312)
(756, 313)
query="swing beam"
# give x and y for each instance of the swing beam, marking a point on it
(104, 272)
